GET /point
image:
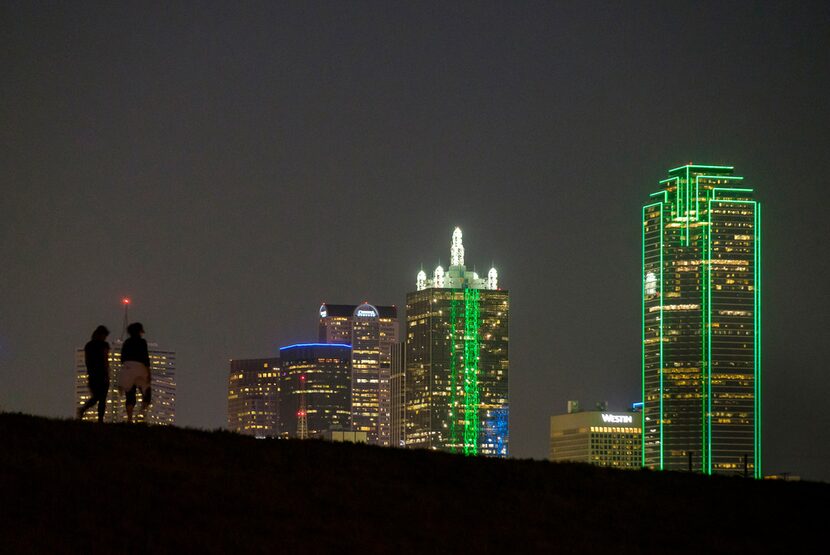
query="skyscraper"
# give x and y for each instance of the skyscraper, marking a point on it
(371, 331)
(253, 396)
(397, 410)
(315, 389)
(163, 374)
(457, 361)
(701, 290)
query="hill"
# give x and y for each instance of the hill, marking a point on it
(67, 486)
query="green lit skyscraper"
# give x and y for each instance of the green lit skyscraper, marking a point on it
(456, 396)
(701, 288)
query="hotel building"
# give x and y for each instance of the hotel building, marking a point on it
(600, 438)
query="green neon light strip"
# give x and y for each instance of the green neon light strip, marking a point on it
(643, 381)
(662, 300)
(471, 353)
(686, 203)
(701, 166)
(697, 197)
(732, 189)
(756, 329)
(708, 315)
(757, 458)
(453, 374)
(643, 344)
(706, 462)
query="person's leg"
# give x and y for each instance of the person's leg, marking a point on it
(146, 398)
(93, 389)
(102, 401)
(82, 409)
(130, 403)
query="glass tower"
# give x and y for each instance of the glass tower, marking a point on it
(701, 292)
(315, 389)
(253, 396)
(456, 396)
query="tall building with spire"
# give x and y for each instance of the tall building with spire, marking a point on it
(701, 314)
(456, 360)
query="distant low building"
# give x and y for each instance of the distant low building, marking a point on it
(785, 476)
(597, 437)
(253, 397)
(350, 436)
(162, 411)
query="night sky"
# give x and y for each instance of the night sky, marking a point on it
(231, 165)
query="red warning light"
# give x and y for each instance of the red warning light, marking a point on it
(125, 300)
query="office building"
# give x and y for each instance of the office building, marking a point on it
(371, 331)
(315, 389)
(596, 437)
(701, 313)
(162, 411)
(253, 397)
(456, 394)
(397, 410)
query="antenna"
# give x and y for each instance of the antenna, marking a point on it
(126, 302)
(302, 414)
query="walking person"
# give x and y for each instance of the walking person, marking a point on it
(96, 357)
(135, 372)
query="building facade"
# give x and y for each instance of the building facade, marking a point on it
(315, 389)
(371, 331)
(457, 363)
(600, 438)
(701, 314)
(398, 406)
(253, 397)
(162, 411)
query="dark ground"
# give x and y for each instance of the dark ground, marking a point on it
(67, 486)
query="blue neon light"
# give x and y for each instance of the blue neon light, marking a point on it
(315, 345)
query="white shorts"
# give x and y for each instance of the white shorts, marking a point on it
(134, 373)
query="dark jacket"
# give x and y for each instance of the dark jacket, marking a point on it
(96, 354)
(135, 348)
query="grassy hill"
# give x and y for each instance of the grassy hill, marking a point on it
(68, 486)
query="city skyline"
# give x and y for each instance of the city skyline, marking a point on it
(229, 170)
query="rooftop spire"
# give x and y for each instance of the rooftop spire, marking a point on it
(457, 249)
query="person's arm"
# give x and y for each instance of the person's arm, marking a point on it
(146, 354)
(88, 357)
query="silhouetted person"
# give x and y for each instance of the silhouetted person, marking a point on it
(96, 357)
(135, 372)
